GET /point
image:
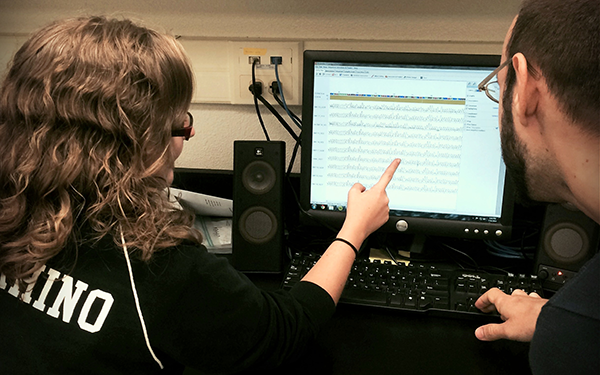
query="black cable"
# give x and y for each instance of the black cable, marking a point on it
(258, 97)
(295, 118)
(314, 218)
(286, 126)
(276, 114)
(254, 96)
(283, 96)
(474, 263)
(294, 153)
(392, 257)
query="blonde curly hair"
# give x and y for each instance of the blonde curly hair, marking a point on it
(86, 113)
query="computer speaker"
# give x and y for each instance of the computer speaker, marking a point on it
(567, 241)
(258, 170)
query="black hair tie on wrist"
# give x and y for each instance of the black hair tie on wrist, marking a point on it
(347, 243)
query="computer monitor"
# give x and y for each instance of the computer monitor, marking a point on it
(363, 109)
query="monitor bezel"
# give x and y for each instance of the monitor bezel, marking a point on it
(408, 224)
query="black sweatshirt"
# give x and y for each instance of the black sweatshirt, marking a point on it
(567, 334)
(198, 310)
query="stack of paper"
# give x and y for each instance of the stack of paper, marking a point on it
(213, 218)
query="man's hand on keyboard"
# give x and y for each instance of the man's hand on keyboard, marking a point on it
(518, 310)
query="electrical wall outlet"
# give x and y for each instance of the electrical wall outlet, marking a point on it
(243, 53)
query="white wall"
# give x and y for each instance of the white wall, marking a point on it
(459, 26)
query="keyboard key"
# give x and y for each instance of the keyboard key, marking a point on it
(432, 291)
(425, 302)
(472, 288)
(441, 303)
(437, 281)
(396, 300)
(410, 302)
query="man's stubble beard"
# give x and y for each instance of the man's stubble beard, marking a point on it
(514, 154)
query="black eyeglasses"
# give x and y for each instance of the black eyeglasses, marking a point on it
(492, 88)
(186, 131)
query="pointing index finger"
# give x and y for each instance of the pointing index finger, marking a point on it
(387, 176)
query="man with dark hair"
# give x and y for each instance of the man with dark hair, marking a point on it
(550, 131)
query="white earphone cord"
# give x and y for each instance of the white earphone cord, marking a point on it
(137, 302)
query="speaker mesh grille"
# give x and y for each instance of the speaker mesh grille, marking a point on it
(566, 242)
(258, 225)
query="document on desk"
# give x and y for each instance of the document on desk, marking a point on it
(202, 204)
(216, 233)
(213, 218)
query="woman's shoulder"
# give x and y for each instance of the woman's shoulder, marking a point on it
(105, 257)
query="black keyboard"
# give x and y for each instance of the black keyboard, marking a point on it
(434, 289)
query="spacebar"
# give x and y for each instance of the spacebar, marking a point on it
(370, 297)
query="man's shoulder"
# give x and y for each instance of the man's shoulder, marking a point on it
(581, 295)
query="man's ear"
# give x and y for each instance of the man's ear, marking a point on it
(526, 91)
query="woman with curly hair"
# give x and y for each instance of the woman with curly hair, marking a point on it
(98, 272)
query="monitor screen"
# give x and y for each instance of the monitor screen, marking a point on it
(363, 109)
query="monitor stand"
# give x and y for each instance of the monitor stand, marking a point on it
(417, 243)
